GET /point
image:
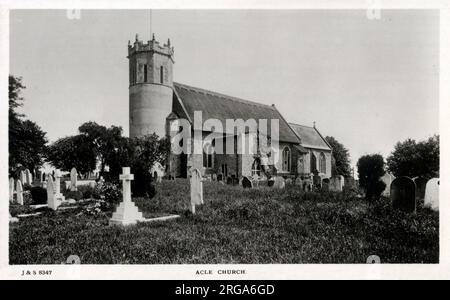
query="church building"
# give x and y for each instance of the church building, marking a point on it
(156, 103)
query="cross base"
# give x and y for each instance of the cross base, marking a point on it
(126, 214)
(57, 201)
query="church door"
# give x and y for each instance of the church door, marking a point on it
(313, 163)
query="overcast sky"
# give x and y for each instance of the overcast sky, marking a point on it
(368, 83)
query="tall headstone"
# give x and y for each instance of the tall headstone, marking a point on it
(52, 201)
(127, 213)
(22, 177)
(326, 184)
(11, 189)
(58, 194)
(421, 183)
(432, 194)
(19, 192)
(157, 171)
(403, 194)
(196, 189)
(387, 179)
(246, 183)
(279, 182)
(28, 177)
(336, 183)
(299, 181)
(73, 179)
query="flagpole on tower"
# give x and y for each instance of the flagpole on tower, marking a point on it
(150, 24)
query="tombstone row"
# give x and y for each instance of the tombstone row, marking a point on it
(403, 193)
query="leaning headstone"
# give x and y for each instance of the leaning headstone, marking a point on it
(246, 183)
(127, 213)
(58, 195)
(387, 179)
(19, 192)
(22, 177)
(403, 194)
(11, 189)
(421, 183)
(279, 183)
(73, 179)
(196, 189)
(52, 201)
(432, 194)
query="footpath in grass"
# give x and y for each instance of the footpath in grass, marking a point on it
(234, 226)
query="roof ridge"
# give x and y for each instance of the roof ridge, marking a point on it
(223, 95)
(295, 124)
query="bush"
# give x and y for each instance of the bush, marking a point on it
(108, 192)
(87, 191)
(38, 195)
(75, 195)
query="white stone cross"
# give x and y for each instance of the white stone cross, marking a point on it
(126, 178)
(127, 213)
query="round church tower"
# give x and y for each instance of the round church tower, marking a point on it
(150, 87)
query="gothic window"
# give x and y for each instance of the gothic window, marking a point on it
(225, 170)
(161, 74)
(208, 156)
(256, 167)
(286, 159)
(322, 163)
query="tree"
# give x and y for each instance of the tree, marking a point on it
(341, 158)
(370, 170)
(73, 151)
(104, 141)
(27, 141)
(412, 159)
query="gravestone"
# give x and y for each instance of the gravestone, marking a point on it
(421, 183)
(289, 181)
(387, 179)
(58, 195)
(299, 181)
(307, 185)
(73, 179)
(279, 183)
(11, 189)
(432, 194)
(19, 192)
(196, 189)
(403, 194)
(22, 177)
(126, 213)
(317, 181)
(336, 183)
(214, 177)
(246, 183)
(271, 182)
(229, 180)
(326, 184)
(157, 172)
(52, 201)
(28, 177)
(219, 177)
(12, 219)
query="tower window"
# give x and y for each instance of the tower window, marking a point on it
(161, 75)
(145, 72)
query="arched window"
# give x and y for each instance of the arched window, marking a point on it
(208, 156)
(161, 74)
(286, 159)
(256, 167)
(322, 163)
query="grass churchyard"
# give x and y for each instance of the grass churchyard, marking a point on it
(234, 225)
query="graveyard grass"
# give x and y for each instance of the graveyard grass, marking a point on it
(233, 226)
